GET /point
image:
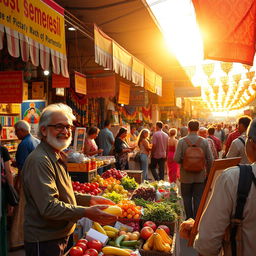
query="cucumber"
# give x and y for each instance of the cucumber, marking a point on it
(127, 247)
(118, 240)
(131, 243)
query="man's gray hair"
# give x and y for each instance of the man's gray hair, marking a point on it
(202, 129)
(22, 124)
(47, 113)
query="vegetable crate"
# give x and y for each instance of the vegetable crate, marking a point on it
(136, 174)
(170, 225)
(157, 253)
(83, 176)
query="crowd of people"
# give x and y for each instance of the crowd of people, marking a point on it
(185, 153)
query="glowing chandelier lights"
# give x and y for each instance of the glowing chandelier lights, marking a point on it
(225, 86)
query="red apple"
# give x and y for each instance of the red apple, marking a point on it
(95, 244)
(146, 232)
(76, 251)
(165, 228)
(150, 224)
(91, 252)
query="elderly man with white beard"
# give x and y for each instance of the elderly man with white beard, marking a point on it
(52, 207)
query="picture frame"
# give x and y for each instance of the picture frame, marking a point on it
(218, 166)
(79, 138)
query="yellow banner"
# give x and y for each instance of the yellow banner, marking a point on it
(150, 80)
(80, 83)
(37, 20)
(124, 93)
(102, 41)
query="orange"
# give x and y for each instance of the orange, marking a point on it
(136, 216)
(129, 216)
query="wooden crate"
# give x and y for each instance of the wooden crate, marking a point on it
(78, 167)
(136, 174)
(83, 176)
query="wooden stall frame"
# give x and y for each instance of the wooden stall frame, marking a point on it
(218, 166)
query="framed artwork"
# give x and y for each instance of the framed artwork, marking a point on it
(115, 118)
(218, 167)
(80, 134)
(31, 111)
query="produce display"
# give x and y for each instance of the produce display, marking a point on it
(145, 217)
(86, 188)
(114, 173)
(84, 247)
(129, 209)
(115, 197)
(145, 192)
(129, 183)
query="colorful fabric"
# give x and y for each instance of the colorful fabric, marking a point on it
(228, 29)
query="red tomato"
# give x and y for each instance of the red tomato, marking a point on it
(77, 183)
(96, 184)
(87, 188)
(93, 186)
(82, 245)
(78, 188)
(95, 244)
(82, 191)
(82, 240)
(76, 251)
(91, 252)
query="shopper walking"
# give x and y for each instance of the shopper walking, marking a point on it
(159, 151)
(193, 181)
(106, 138)
(52, 207)
(221, 208)
(121, 149)
(173, 167)
(145, 148)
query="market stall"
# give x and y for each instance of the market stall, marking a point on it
(147, 213)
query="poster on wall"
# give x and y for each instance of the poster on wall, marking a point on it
(31, 111)
(79, 138)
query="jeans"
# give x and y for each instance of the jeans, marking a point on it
(160, 162)
(144, 165)
(191, 194)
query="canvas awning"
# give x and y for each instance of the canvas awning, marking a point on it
(35, 30)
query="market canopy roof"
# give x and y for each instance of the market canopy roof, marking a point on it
(131, 24)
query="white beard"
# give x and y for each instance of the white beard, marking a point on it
(57, 143)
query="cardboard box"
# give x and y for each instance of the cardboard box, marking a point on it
(78, 167)
(93, 234)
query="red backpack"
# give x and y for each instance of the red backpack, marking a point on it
(194, 157)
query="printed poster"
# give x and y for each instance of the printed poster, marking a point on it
(31, 111)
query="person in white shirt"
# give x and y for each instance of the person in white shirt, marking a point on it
(237, 148)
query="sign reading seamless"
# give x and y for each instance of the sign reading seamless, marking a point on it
(42, 21)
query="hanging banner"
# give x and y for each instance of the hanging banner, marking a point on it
(59, 81)
(138, 97)
(42, 21)
(122, 61)
(80, 83)
(150, 79)
(101, 87)
(124, 93)
(137, 72)
(11, 86)
(103, 48)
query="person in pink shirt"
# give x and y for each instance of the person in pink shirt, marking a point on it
(159, 151)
